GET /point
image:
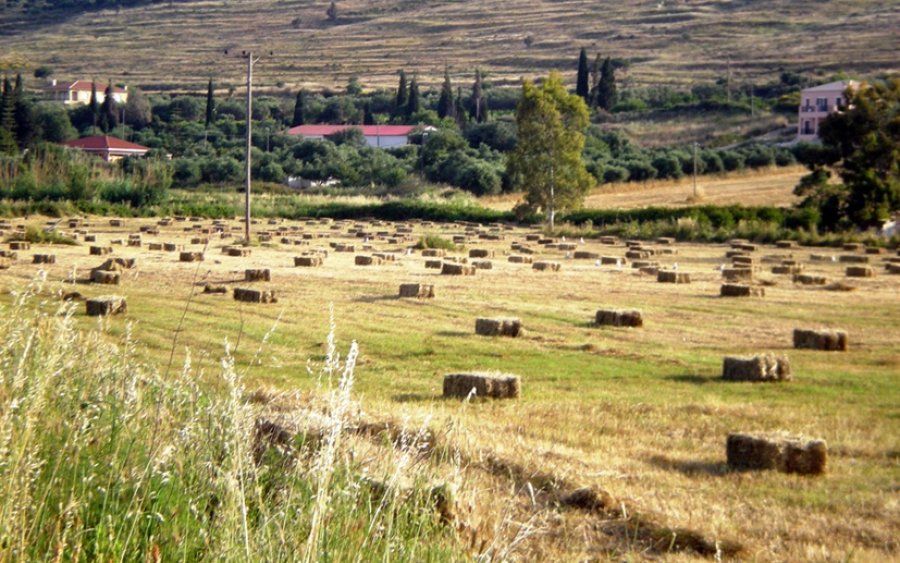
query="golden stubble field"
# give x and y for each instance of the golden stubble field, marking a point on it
(180, 44)
(641, 414)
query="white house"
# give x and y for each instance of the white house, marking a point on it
(382, 136)
(78, 93)
(817, 103)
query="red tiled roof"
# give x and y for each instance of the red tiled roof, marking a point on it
(103, 143)
(367, 130)
(84, 86)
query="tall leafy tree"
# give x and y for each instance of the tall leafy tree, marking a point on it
(861, 144)
(412, 105)
(138, 112)
(607, 94)
(94, 106)
(547, 161)
(445, 107)
(402, 95)
(210, 103)
(299, 109)
(478, 101)
(108, 118)
(581, 80)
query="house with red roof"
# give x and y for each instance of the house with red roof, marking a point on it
(381, 136)
(108, 148)
(78, 93)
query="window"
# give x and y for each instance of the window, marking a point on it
(822, 104)
(838, 102)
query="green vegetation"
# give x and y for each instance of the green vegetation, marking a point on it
(435, 241)
(547, 162)
(41, 236)
(862, 146)
(107, 457)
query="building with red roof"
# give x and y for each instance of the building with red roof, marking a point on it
(78, 93)
(108, 148)
(382, 136)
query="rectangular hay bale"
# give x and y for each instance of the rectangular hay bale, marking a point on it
(780, 452)
(254, 275)
(764, 367)
(670, 276)
(451, 269)
(105, 305)
(501, 326)
(417, 290)
(546, 266)
(741, 290)
(496, 386)
(254, 295)
(618, 317)
(828, 340)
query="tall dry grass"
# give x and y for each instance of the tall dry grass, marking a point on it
(106, 457)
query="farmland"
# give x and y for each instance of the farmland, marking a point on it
(668, 43)
(641, 414)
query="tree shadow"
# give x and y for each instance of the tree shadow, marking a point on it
(689, 467)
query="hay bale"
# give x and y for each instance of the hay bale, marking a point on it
(434, 264)
(236, 251)
(310, 261)
(117, 264)
(105, 305)
(566, 246)
(5, 263)
(215, 289)
(483, 264)
(155, 246)
(417, 290)
(496, 386)
(200, 240)
(609, 240)
(892, 268)
(860, 272)
(116, 223)
(669, 276)
(742, 261)
(585, 255)
(737, 274)
(822, 258)
(43, 259)
(9, 254)
(665, 240)
(741, 290)
(546, 266)
(385, 256)
(451, 269)
(809, 279)
(853, 259)
(190, 257)
(365, 260)
(852, 246)
(254, 295)
(480, 253)
(434, 253)
(256, 275)
(611, 260)
(100, 250)
(874, 250)
(787, 269)
(105, 277)
(780, 452)
(642, 254)
(172, 247)
(498, 327)
(90, 238)
(517, 259)
(617, 317)
(828, 340)
(765, 367)
(785, 243)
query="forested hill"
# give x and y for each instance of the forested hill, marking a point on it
(674, 43)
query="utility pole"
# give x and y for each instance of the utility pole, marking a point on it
(248, 55)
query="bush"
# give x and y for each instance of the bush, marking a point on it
(222, 170)
(733, 161)
(640, 170)
(631, 104)
(186, 172)
(434, 241)
(667, 166)
(615, 174)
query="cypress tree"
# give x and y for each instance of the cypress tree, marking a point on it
(299, 110)
(210, 103)
(595, 80)
(108, 117)
(94, 106)
(581, 81)
(478, 100)
(7, 119)
(412, 105)
(606, 89)
(445, 106)
(402, 95)
(460, 108)
(22, 115)
(368, 116)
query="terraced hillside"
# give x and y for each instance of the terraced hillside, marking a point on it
(179, 44)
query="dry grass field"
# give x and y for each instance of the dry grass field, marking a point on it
(180, 44)
(641, 414)
(766, 187)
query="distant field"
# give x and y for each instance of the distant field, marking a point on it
(640, 413)
(769, 187)
(179, 44)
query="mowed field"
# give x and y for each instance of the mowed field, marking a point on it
(766, 187)
(641, 414)
(673, 43)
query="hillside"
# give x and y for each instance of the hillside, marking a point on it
(177, 45)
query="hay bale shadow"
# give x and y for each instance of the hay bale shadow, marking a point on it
(417, 398)
(454, 333)
(689, 467)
